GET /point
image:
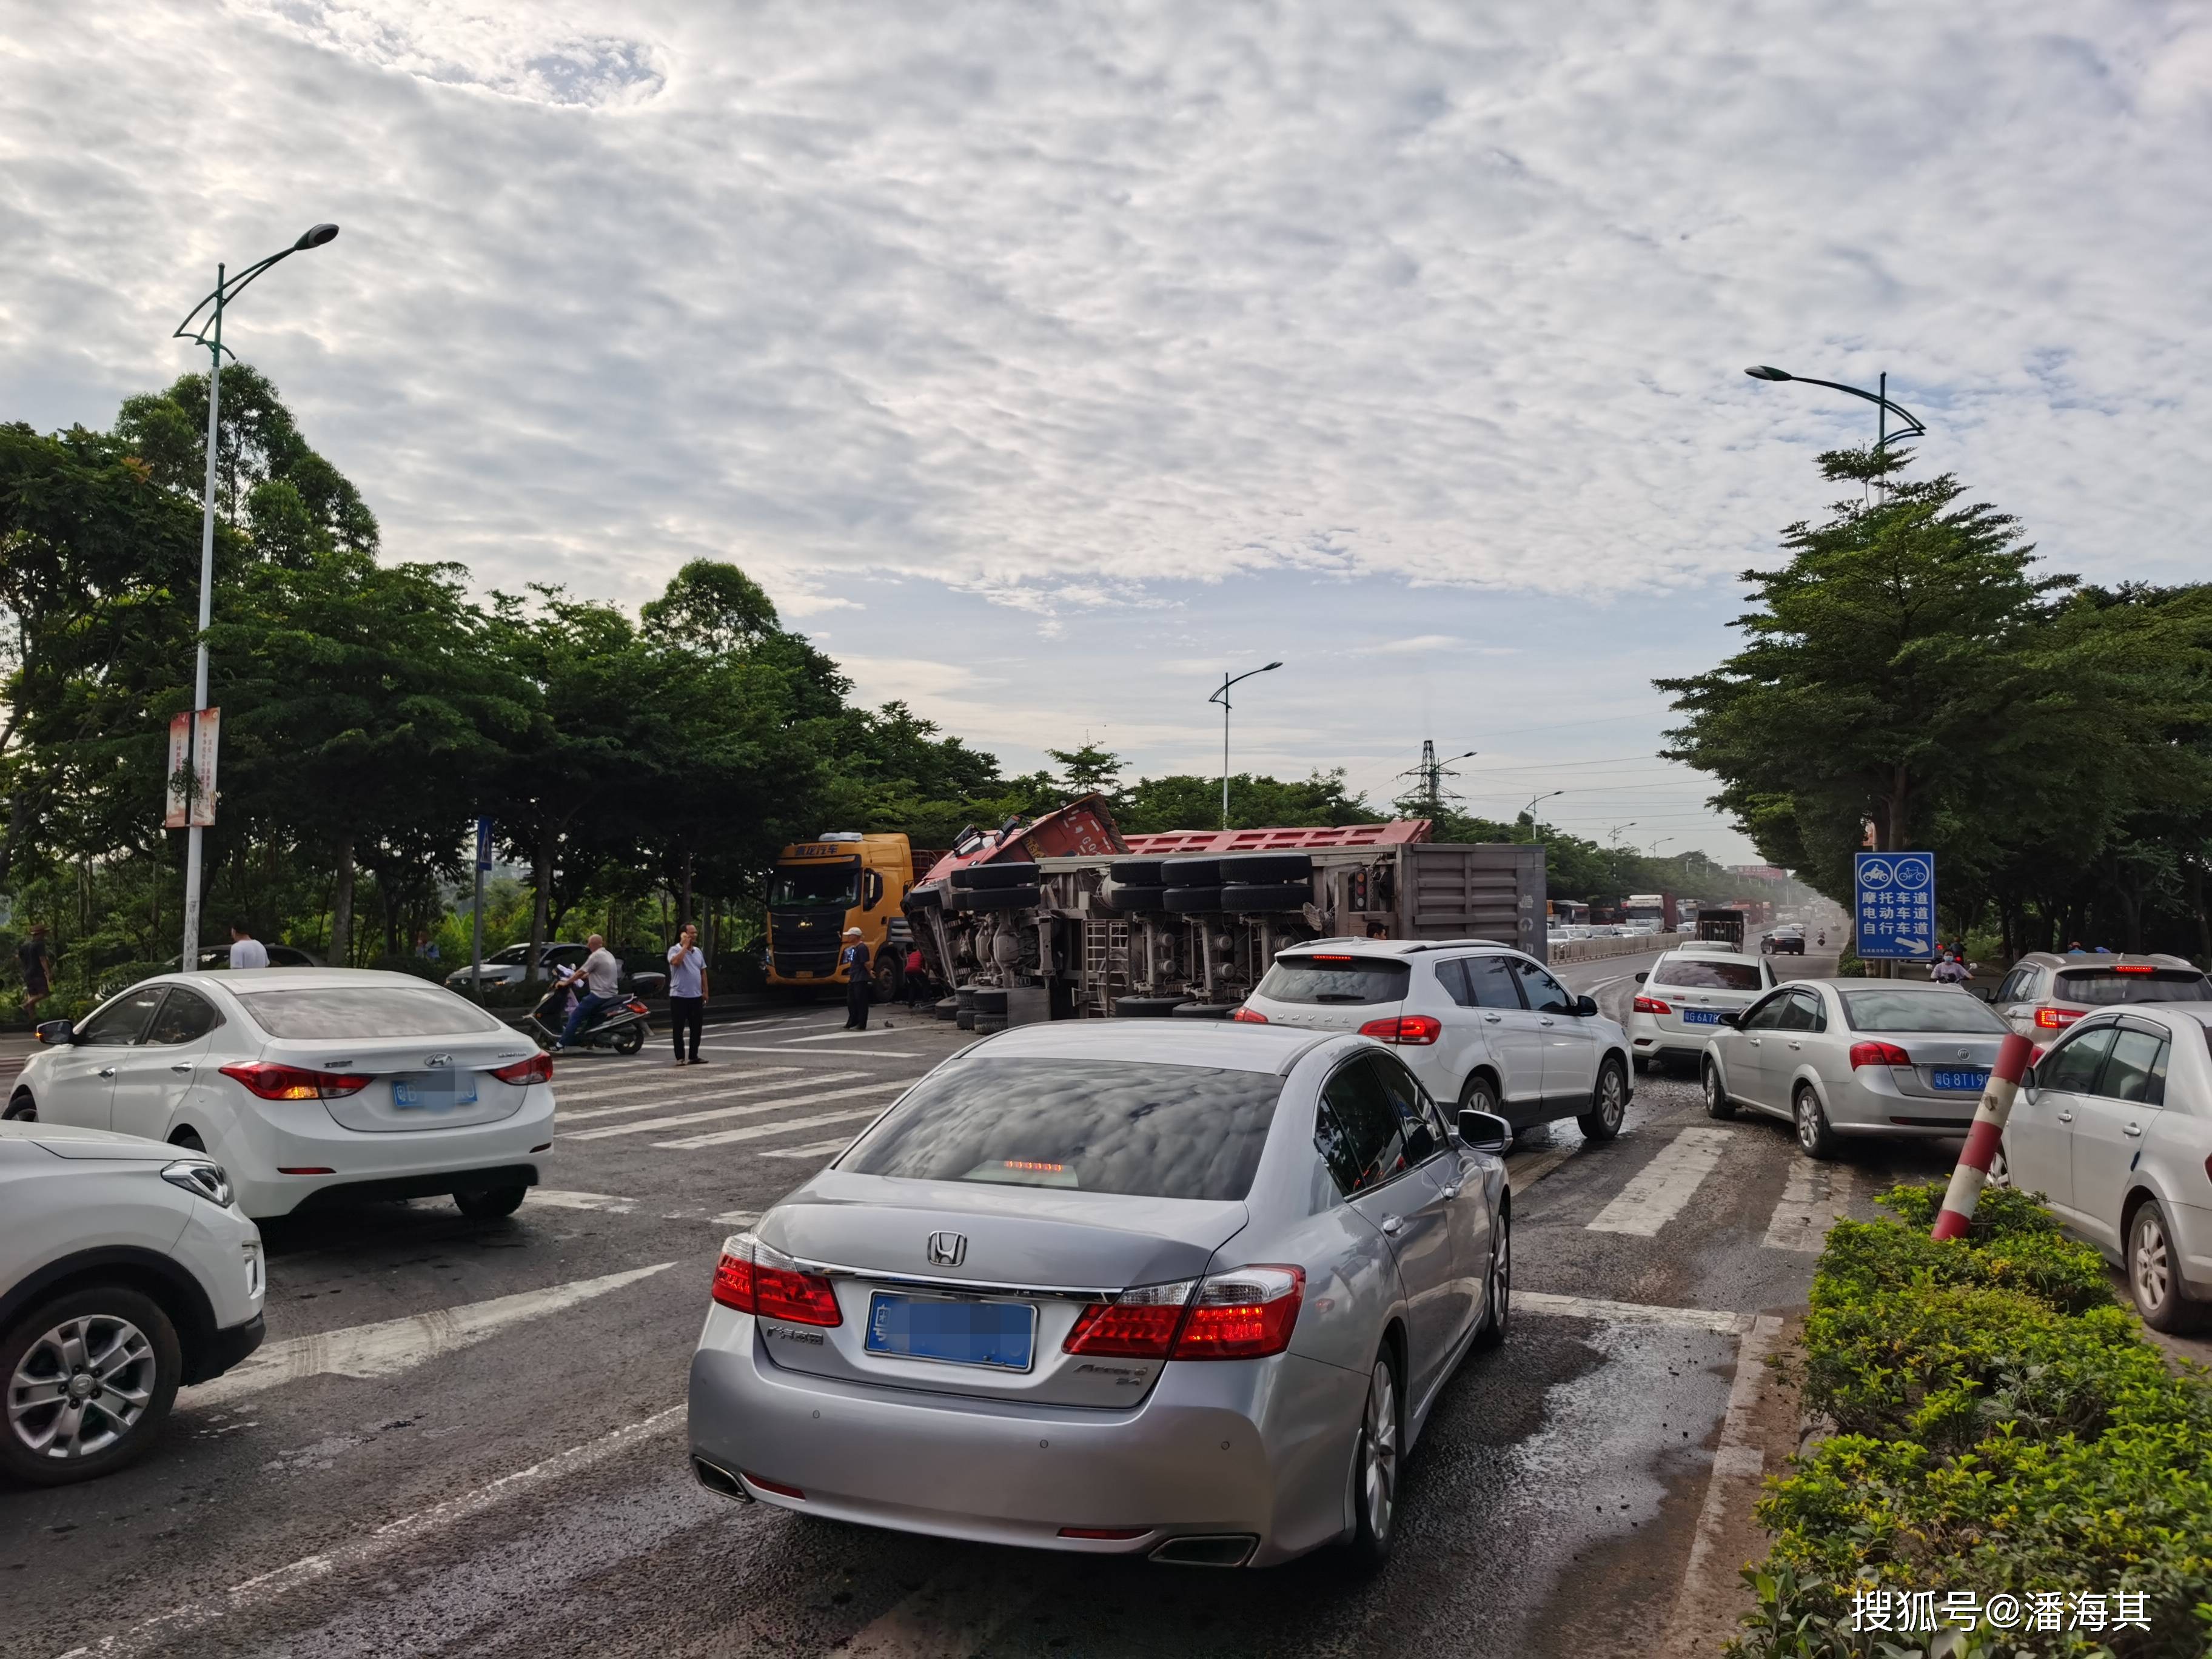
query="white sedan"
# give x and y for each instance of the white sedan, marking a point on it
(312, 1087)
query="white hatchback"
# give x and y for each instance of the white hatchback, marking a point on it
(312, 1087)
(1482, 1024)
(1679, 1002)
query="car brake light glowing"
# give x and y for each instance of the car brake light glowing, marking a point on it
(1318, 958)
(2133, 968)
(1653, 1005)
(538, 1068)
(1415, 1029)
(1248, 1017)
(1878, 1054)
(755, 1280)
(1244, 1315)
(273, 1081)
(1137, 1324)
(2055, 1019)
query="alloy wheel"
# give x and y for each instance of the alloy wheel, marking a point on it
(1378, 1472)
(2150, 1262)
(1612, 1098)
(1501, 1279)
(81, 1386)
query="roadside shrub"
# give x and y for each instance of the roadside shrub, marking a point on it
(2003, 1429)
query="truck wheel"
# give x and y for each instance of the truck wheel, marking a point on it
(1203, 1010)
(923, 898)
(965, 1019)
(947, 1007)
(989, 999)
(1192, 872)
(1124, 899)
(1137, 872)
(1146, 1007)
(1267, 868)
(1246, 898)
(1185, 901)
(987, 1024)
(981, 877)
(998, 898)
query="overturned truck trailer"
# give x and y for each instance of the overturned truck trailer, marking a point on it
(1065, 918)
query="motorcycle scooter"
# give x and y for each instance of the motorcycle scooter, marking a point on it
(622, 1025)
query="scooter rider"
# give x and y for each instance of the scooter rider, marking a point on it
(600, 975)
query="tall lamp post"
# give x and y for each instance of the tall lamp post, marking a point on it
(1530, 809)
(1222, 697)
(1613, 835)
(1883, 408)
(207, 331)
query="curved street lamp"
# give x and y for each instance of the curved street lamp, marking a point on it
(1222, 697)
(1912, 426)
(1530, 809)
(1613, 835)
(208, 331)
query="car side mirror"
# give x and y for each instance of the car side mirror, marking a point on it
(57, 1031)
(1732, 1017)
(872, 889)
(1485, 1132)
(1640, 978)
(2029, 1082)
(1585, 1007)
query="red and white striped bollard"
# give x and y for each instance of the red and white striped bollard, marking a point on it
(1983, 1138)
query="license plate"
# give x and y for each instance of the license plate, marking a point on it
(1964, 1082)
(998, 1334)
(437, 1092)
(1701, 1016)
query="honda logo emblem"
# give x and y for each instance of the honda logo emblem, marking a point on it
(947, 1249)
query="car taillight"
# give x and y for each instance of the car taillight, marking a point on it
(273, 1081)
(1249, 1016)
(1137, 1324)
(755, 1280)
(1878, 1054)
(1404, 1028)
(2055, 1019)
(1652, 1005)
(2128, 967)
(1245, 1315)
(538, 1068)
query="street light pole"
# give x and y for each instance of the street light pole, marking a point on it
(1530, 809)
(1884, 409)
(1222, 697)
(209, 334)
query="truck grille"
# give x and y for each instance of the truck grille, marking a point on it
(805, 942)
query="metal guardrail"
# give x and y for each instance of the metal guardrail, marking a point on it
(1596, 949)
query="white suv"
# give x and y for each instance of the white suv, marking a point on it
(1679, 1003)
(1480, 1025)
(126, 1270)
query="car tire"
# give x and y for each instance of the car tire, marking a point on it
(2153, 1269)
(1479, 1094)
(1500, 1316)
(1138, 873)
(1268, 867)
(1609, 1102)
(630, 1041)
(1375, 1466)
(1717, 1103)
(984, 878)
(1249, 899)
(996, 898)
(130, 1329)
(1188, 901)
(21, 1108)
(1814, 1137)
(490, 1203)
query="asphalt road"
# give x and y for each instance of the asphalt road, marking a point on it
(497, 1467)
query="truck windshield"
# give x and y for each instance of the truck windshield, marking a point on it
(820, 886)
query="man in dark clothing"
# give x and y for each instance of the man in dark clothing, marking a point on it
(853, 959)
(31, 955)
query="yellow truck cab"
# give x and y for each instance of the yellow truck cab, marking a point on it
(818, 889)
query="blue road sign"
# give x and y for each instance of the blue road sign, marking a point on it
(1895, 905)
(484, 843)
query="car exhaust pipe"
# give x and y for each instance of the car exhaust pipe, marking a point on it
(1228, 1549)
(714, 1478)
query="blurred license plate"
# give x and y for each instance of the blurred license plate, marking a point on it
(1962, 1081)
(435, 1091)
(1000, 1335)
(1701, 1016)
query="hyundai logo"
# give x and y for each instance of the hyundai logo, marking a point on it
(437, 1059)
(947, 1249)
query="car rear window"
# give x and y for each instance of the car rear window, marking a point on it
(2101, 987)
(1702, 973)
(1345, 979)
(368, 1011)
(1142, 1130)
(1921, 1011)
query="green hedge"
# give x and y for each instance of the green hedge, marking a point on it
(2003, 1428)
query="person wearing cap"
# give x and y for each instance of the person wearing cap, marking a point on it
(853, 959)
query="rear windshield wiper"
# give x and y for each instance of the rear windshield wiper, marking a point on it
(1339, 996)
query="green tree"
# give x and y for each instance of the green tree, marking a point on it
(1183, 802)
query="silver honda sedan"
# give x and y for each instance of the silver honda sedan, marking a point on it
(1840, 1057)
(1118, 1288)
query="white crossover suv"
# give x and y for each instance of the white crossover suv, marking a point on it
(1679, 1002)
(126, 1270)
(1480, 1023)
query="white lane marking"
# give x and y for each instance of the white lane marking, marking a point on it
(392, 1345)
(1660, 1190)
(812, 1149)
(717, 1114)
(844, 1037)
(1520, 1177)
(842, 1056)
(957, 1613)
(567, 1201)
(1738, 1468)
(763, 1131)
(249, 1593)
(666, 1101)
(1630, 1313)
(660, 1085)
(1814, 1197)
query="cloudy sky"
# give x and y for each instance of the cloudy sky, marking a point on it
(1048, 359)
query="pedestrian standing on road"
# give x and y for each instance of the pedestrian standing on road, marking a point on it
(600, 976)
(853, 959)
(686, 992)
(917, 979)
(246, 950)
(31, 955)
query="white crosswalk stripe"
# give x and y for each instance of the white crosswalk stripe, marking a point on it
(846, 1037)
(836, 1056)
(812, 1149)
(732, 1093)
(1814, 1197)
(763, 1131)
(658, 1087)
(1659, 1190)
(682, 1120)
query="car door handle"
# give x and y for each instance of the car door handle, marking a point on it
(1391, 1223)
(1493, 1018)
(1752, 1041)
(108, 1070)
(1546, 1020)
(2132, 1129)
(182, 1066)
(2066, 1117)
(1796, 1044)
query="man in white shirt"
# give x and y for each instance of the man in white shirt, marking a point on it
(246, 950)
(601, 975)
(686, 992)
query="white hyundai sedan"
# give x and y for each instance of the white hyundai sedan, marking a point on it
(312, 1087)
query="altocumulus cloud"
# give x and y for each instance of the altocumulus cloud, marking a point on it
(1063, 304)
